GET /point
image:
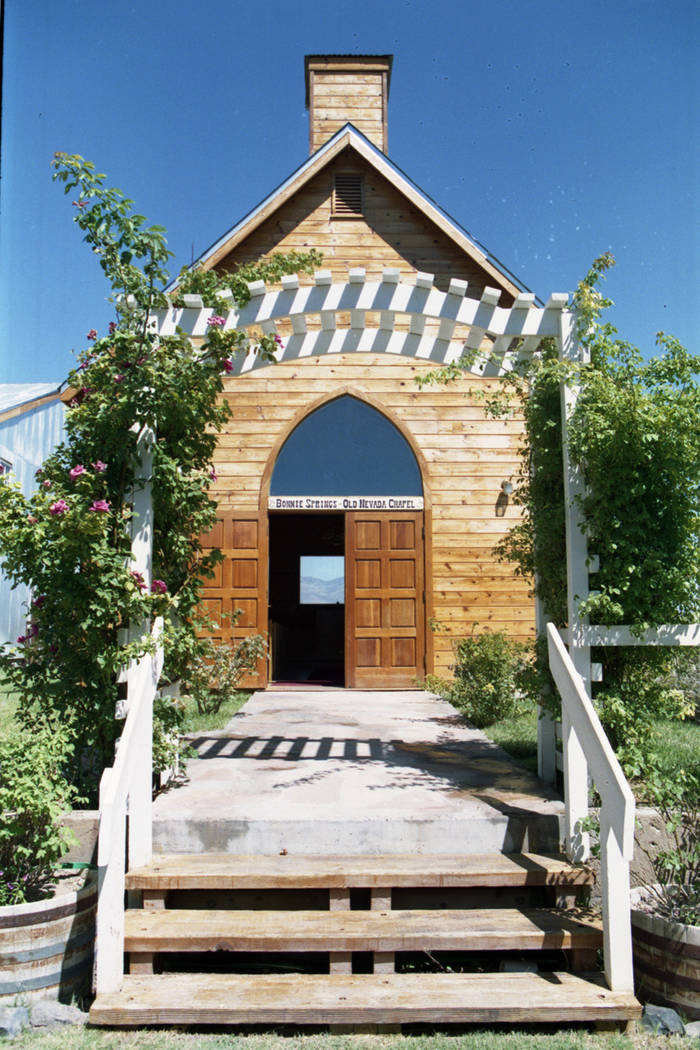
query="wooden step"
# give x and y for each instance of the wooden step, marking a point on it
(299, 999)
(505, 929)
(228, 871)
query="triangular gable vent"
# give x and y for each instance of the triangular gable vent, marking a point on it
(347, 195)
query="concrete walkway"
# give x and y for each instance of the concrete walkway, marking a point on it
(345, 771)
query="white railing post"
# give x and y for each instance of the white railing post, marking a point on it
(617, 919)
(574, 759)
(109, 931)
(616, 813)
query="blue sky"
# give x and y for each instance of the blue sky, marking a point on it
(552, 131)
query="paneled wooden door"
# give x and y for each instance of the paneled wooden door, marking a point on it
(240, 580)
(384, 599)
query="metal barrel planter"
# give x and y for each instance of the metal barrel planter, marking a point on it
(666, 960)
(47, 947)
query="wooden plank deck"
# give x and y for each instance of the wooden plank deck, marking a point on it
(230, 871)
(507, 929)
(300, 999)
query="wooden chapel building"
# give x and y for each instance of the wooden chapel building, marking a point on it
(358, 512)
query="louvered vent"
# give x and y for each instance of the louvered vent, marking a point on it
(347, 195)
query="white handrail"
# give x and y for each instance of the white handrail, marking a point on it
(616, 812)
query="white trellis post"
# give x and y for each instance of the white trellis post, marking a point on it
(140, 823)
(575, 764)
(546, 726)
(125, 787)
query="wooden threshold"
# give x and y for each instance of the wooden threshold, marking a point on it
(505, 929)
(229, 871)
(299, 999)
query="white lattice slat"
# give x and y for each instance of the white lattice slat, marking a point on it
(516, 331)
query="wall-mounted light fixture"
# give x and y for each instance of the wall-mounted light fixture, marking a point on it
(502, 501)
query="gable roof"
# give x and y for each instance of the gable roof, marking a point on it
(349, 137)
(17, 398)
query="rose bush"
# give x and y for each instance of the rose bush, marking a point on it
(70, 541)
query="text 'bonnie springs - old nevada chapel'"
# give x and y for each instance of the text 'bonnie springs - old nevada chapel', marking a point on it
(358, 513)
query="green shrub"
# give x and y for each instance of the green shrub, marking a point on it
(488, 682)
(677, 868)
(34, 794)
(215, 669)
(634, 694)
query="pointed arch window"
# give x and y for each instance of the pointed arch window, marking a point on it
(344, 448)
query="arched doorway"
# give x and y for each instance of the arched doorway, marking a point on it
(346, 560)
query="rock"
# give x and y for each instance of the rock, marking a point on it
(693, 1030)
(47, 1013)
(13, 1019)
(662, 1019)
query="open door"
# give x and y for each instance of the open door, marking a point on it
(240, 580)
(384, 599)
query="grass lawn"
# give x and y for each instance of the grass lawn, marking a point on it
(518, 736)
(677, 744)
(147, 1039)
(197, 723)
(8, 706)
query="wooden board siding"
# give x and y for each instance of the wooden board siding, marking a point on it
(392, 233)
(339, 98)
(343, 89)
(463, 456)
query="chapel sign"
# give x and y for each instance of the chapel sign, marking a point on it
(345, 503)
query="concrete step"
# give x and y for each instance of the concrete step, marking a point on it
(303, 999)
(477, 830)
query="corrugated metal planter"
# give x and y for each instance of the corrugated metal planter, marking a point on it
(47, 947)
(666, 960)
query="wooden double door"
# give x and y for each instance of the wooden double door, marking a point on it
(384, 599)
(384, 609)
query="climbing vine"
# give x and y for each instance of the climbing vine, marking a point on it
(70, 541)
(635, 434)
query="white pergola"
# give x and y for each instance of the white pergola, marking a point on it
(435, 333)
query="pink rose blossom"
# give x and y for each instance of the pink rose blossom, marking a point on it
(39, 601)
(76, 471)
(100, 506)
(118, 377)
(278, 340)
(59, 507)
(46, 484)
(138, 579)
(21, 639)
(213, 475)
(31, 519)
(92, 334)
(112, 327)
(159, 587)
(216, 321)
(228, 365)
(80, 204)
(99, 466)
